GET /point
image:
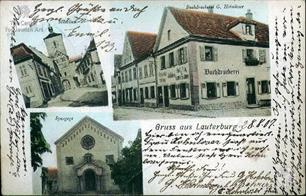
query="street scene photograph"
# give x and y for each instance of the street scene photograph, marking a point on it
(193, 63)
(56, 69)
(85, 153)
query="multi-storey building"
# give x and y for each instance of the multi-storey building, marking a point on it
(135, 75)
(42, 77)
(89, 68)
(207, 60)
(38, 76)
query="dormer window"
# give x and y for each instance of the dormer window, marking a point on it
(248, 29)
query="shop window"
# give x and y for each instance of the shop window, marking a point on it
(69, 160)
(135, 94)
(173, 91)
(152, 89)
(146, 92)
(211, 90)
(184, 91)
(231, 89)
(264, 87)
(162, 62)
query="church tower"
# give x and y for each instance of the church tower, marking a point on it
(54, 43)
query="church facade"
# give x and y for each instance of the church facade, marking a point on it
(84, 155)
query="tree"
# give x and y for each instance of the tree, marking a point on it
(38, 143)
(127, 171)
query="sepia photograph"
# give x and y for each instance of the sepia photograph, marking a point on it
(197, 63)
(84, 154)
(56, 69)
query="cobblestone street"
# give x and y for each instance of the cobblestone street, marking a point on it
(138, 113)
(80, 97)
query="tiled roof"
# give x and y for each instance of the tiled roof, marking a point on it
(141, 43)
(52, 35)
(52, 172)
(21, 52)
(213, 25)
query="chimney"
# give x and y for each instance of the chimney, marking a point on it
(249, 15)
(210, 10)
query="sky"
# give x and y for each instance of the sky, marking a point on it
(54, 129)
(147, 21)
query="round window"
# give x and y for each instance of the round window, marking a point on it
(88, 142)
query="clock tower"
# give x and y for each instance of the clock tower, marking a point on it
(54, 43)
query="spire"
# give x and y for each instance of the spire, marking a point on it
(50, 29)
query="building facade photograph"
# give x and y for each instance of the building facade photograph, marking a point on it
(197, 61)
(88, 155)
(56, 79)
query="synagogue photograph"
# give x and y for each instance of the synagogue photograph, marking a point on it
(89, 155)
(54, 72)
(197, 63)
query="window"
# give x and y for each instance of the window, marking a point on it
(152, 92)
(162, 62)
(264, 87)
(184, 92)
(146, 92)
(130, 74)
(23, 70)
(89, 80)
(151, 69)
(30, 90)
(169, 34)
(171, 59)
(248, 29)
(231, 88)
(208, 53)
(182, 55)
(146, 71)
(173, 91)
(109, 159)
(134, 73)
(54, 44)
(249, 57)
(65, 73)
(250, 53)
(262, 55)
(211, 90)
(135, 93)
(92, 77)
(140, 72)
(126, 76)
(122, 76)
(69, 160)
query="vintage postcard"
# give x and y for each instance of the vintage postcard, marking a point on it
(152, 97)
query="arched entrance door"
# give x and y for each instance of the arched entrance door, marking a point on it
(90, 180)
